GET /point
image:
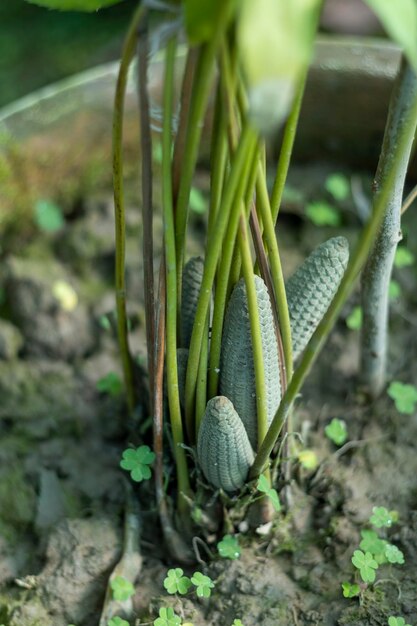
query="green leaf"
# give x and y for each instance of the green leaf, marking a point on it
(354, 319)
(336, 431)
(399, 18)
(397, 621)
(176, 582)
(237, 622)
(167, 617)
(350, 590)
(403, 257)
(229, 547)
(111, 384)
(338, 186)
(122, 588)
(394, 290)
(371, 542)
(137, 462)
(322, 214)
(203, 583)
(394, 554)
(366, 565)
(74, 5)
(404, 396)
(48, 216)
(275, 42)
(382, 518)
(264, 487)
(198, 202)
(203, 18)
(117, 621)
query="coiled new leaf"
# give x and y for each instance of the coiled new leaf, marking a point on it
(191, 283)
(223, 448)
(312, 288)
(237, 368)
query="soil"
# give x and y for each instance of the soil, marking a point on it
(63, 496)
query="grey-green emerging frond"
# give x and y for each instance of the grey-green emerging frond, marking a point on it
(223, 448)
(191, 284)
(237, 369)
(312, 288)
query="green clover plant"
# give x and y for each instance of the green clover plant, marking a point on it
(336, 431)
(137, 462)
(264, 487)
(229, 547)
(350, 590)
(203, 584)
(397, 621)
(122, 588)
(117, 621)
(404, 396)
(366, 564)
(322, 213)
(176, 582)
(167, 617)
(381, 517)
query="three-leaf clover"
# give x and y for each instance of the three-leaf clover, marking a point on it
(397, 621)
(404, 396)
(111, 384)
(366, 564)
(167, 617)
(117, 621)
(322, 214)
(394, 554)
(264, 486)
(354, 319)
(203, 583)
(350, 590)
(229, 547)
(237, 622)
(176, 582)
(122, 588)
(372, 543)
(336, 431)
(137, 462)
(381, 517)
(403, 257)
(338, 186)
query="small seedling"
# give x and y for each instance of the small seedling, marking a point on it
(203, 583)
(110, 384)
(372, 543)
(382, 518)
(48, 216)
(403, 257)
(117, 621)
(198, 203)
(322, 214)
(308, 459)
(366, 564)
(167, 617)
(394, 290)
(354, 319)
(336, 431)
(176, 582)
(338, 186)
(137, 462)
(404, 396)
(397, 621)
(237, 622)
(264, 487)
(122, 588)
(350, 590)
(229, 547)
(394, 554)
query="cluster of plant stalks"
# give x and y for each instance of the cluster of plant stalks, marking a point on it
(240, 234)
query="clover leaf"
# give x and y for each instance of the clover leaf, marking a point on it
(167, 617)
(404, 396)
(264, 486)
(237, 622)
(366, 565)
(403, 257)
(354, 319)
(381, 517)
(203, 583)
(122, 588)
(176, 582)
(336, 431)
(117, 621)
(322, 214)
(371, 542)
(137, 462)
(397, 621)
(229, 547)
(394, 554)
(350, 590)
(338, 186)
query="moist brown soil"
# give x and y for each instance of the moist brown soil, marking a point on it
(63, 497)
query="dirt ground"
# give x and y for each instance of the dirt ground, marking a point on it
(63, 496)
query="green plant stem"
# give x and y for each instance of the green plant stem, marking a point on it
(377, 271)
(171, 300)
(119, 204)
(246, 145)
(218, 160)
(398, 150)
(255, 327)
(201, 388)
(287, 148)
(147, 239)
